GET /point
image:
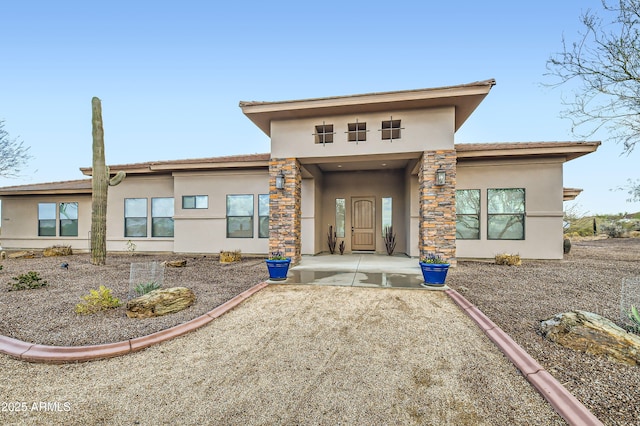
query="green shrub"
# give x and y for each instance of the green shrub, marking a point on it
(97, 300)
(634, 316)
(30, 280)
(144, 288)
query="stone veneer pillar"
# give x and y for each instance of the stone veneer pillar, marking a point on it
(285, 208)
(438, 205)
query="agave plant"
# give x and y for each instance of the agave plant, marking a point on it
(144, 288)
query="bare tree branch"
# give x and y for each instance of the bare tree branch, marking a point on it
(13, 154)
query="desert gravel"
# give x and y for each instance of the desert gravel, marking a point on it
(237, 370)
(296, 355)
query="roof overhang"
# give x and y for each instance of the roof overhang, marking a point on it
(53, 188)
(566, 150)
(251, 161)
(569, 194)
(465, 98)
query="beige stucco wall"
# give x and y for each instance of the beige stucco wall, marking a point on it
(428, 129)
(378, 184)
(205, 230)
(542, 180)
(136, 187)
(20, 222)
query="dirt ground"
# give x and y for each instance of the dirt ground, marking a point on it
(515, 298)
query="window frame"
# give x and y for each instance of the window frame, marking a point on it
(521, 214)
(73, 221)
(357, 132)
(476, 215)
(156, 220)
(196, 205)
(145, 217)
(49, 220)
(323, 133)
(250, 217)
(263, 233)
(391, 129)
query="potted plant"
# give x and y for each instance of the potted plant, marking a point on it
(434, 269)
(278, 266)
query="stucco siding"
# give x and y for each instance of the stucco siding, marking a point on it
(20, 222)
(542, 181)
(430, 129)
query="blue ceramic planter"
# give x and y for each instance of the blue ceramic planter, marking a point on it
(434, 273)
(278, 269)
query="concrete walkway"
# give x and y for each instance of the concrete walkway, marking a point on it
(358, 270)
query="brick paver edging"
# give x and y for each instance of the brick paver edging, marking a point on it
(565, 404)
(67, 354)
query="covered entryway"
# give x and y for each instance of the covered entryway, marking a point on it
(363, 223)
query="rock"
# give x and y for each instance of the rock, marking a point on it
(175, 263)
(57, 251)
(160, 302)
(594, 334)
(22, 255)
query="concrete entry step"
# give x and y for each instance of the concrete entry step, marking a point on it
(358, 270)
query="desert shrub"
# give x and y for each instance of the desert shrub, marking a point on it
(1, 267)
(144, 288)
(634, 316)
(613, 230)
(508, 259)
(30, 280)
(58, 250)
(97, 300)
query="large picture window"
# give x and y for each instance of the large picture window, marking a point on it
(68, 219)
(46, 219)
(162, 217)
(468, 214)
(505, 214)
(240, 216)
(135, 217)
(263, 215)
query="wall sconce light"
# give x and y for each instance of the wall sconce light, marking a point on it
(280, 180)
(440, 177)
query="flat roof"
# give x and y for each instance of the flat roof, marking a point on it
(464, 97)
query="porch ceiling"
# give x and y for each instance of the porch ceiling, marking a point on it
(348, 164)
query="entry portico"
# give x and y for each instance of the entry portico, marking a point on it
(361, 163)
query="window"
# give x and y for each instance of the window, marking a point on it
(195, 201)
(468, 214)
(68, 219)
(240, 216)
(135, 217)
(340, 212)
(162, 217)
(324, 133)
(263, 216)
(391, 129)
(357, 132)
(505, 214)
(46, 219)
(387, 207)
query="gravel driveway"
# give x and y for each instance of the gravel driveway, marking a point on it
(295, 355)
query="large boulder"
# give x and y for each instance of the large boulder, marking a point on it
(160, 302)
(594, 334)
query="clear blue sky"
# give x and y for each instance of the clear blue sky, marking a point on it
(171, 74)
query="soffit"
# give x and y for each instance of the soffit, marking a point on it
(464, 98)
(566, 150)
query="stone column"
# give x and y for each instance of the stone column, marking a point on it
(438, 205)
(285, 208)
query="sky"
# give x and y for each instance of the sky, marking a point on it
(170, 75)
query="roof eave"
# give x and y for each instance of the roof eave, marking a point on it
(464, 98)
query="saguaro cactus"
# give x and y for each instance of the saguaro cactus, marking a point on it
(100, 183)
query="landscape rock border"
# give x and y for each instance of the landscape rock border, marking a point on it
(69, 354)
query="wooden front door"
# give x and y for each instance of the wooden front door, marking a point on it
(363, 224)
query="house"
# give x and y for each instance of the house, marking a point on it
(357, 163)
